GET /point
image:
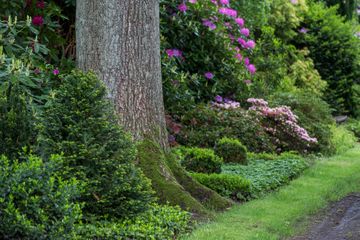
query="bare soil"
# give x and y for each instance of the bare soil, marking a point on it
(340, 221)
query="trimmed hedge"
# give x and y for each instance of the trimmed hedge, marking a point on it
(235, 187)
(231, 150)
(201, 160)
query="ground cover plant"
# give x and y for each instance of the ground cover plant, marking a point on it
(268, 175)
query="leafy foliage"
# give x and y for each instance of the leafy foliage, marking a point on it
(335, 51)
(231, 150)
(159, 222)
(342, 139)
(354, 126)
(228, 185)
(345, 8)
(206, 41)
(266, 176)
(201, 160)
(80, 123)
(204, 125)
(16, 120)
(35, 201)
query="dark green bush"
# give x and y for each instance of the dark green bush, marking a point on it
(231, 150)
(335, 51)
(227, 185)
(346, 8)
(16, 120)
(201, 160)
(204, 125)
(159, 222)
(80, 123)
(35, 201)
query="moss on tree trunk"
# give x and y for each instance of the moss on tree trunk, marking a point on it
(174, 185)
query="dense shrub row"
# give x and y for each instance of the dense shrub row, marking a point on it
(232, 186)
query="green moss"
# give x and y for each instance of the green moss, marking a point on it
(174, 185)
(209, 198)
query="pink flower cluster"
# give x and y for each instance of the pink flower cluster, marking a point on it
(173, 53)
(225, 103)
(39, 20)
(283, 116)
(233, 24)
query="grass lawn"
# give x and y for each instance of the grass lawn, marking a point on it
(284, 213)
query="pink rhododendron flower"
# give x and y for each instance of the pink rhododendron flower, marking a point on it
(209, 24)
(224, 2)
(38, 20)
(238, 56)
(246, 61)
(228, 11)
(209, 75)
(173, 53)
(242, 42)
(294, 1)
(250, 44)
(56, 71)
(245, 32)
(192, 1)
(182, 7)
(240, 22)
(284, 119)
(251, 68)
(225, 103)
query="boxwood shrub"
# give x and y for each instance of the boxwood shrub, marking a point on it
(231, 150)
(201, 160)
(35, 201)
(235, 187)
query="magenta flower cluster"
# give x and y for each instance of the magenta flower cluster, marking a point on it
(39, 20)
(223, 14)
(283, 117)
(225, 103)
(173, 53)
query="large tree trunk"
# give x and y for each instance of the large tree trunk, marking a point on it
(120, 41)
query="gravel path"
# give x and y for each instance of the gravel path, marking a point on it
(341, 221)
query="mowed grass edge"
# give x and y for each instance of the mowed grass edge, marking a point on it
(284, 213)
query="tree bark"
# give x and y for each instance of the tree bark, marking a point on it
(120, 41)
